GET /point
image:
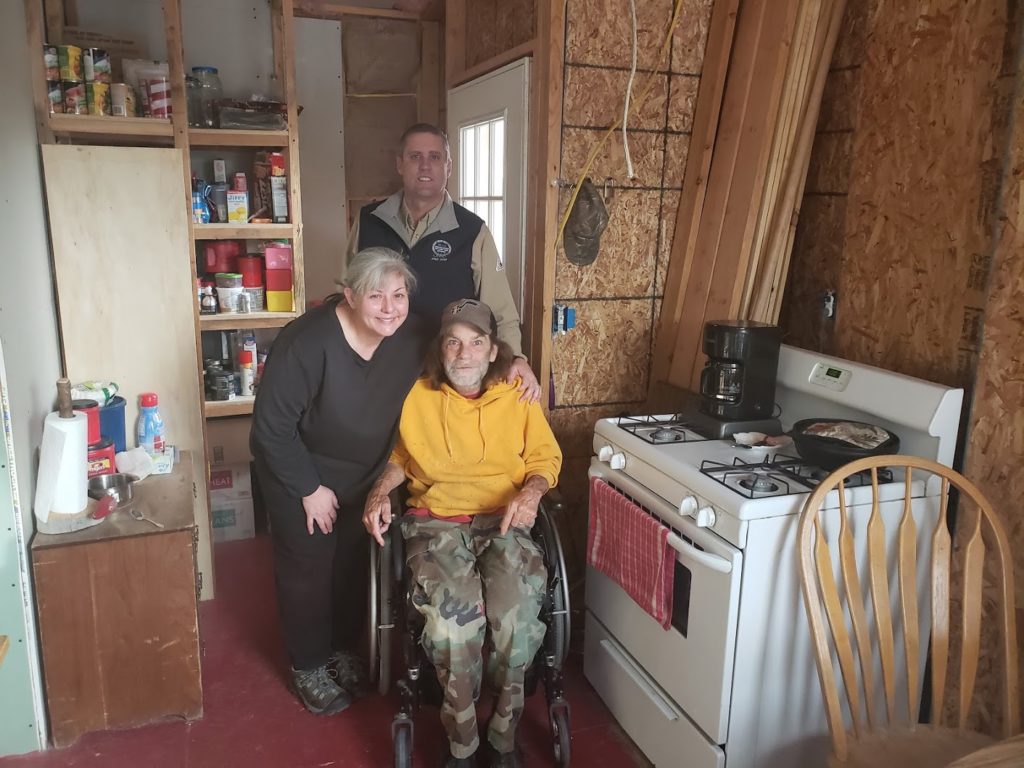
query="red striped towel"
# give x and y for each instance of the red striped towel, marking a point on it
(630, 547)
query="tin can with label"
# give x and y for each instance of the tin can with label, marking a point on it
(74, 97)
(96, 64)
(54, 97)
(97, 96)
(69, 59)
(122, 100)
(51, 63)
(101, 458)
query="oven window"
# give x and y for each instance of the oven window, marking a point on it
(681, 599)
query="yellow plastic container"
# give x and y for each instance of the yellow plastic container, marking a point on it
(279, 301)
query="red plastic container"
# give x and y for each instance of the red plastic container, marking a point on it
(279, 279)
(91, 409)
(251, 268)
(278, 256)
(222, 256)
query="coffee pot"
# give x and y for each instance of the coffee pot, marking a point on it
(738, 380)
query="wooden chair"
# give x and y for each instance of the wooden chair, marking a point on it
(898, 739)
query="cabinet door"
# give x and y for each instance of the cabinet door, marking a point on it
(124, 283)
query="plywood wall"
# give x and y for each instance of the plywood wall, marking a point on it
(496, 26)
(601, 368)
(898, 212)
(913, 213)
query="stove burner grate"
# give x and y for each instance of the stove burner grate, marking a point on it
(659, 429)
(779, 475)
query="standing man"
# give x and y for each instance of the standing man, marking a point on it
(450, 249)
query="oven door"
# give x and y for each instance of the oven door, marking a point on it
(692, 661)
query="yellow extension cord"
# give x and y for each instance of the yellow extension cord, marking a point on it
(637, 104)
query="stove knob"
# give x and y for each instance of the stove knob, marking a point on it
(605, 453)
(617, 461)
(705, 517)
(688, 506)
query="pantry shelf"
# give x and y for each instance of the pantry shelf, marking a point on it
(230, 321)
(223, 137)
(101, 128)
(240, 406)
(242, 231)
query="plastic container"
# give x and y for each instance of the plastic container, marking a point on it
(210, 91)
(112, 423)
(150, 432)
(247, 371)
(228, 298)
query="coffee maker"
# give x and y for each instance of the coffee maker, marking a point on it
(737, 385)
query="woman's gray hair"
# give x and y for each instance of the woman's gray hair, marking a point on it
(368, 269)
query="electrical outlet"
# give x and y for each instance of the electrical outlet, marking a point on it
(828, 305)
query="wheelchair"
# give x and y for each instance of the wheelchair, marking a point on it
(393, 618)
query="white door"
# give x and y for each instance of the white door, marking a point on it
(487, 129)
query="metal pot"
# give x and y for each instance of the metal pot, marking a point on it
(831, 453)
(118, 486)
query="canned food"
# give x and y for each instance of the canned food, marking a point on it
(97, 96)
(96, 64)
(69, 59)
(51, 63)
(54, 97)
(122, 100)
(159, 90)
(74, 97)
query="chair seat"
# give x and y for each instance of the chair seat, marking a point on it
(922, 747)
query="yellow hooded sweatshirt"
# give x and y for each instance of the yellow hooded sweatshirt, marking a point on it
(466, 456)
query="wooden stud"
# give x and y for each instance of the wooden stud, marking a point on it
(323, 9)
(718, 50)
(54, 10)
(545, 147)
(454, 41)
(40, 99)
(428, 100)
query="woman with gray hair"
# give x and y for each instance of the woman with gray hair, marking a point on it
(323, 426)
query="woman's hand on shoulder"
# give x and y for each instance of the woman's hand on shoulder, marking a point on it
(529, 387)
(321, 508)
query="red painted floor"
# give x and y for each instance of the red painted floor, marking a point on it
(252, 720)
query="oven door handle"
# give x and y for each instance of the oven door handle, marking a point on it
(708, 560)
(678, 543)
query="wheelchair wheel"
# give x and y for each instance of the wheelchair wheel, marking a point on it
(381, 614)
(402, 735)
(558, 585)
(560, 733)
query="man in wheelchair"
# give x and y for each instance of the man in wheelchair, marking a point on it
(477, 460)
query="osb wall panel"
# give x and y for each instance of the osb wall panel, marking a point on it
(496, 26)
(366, 71)
(601, 368)
(995, 451)
(919, 100)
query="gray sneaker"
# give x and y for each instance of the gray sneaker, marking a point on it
(349, 671)
(320, 694)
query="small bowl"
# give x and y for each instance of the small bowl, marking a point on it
(119, 486)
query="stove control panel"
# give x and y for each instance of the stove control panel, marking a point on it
(829, 376)
(704, 516)
(611, 457)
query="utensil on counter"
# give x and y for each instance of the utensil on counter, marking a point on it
(138, 515)
(831, 443)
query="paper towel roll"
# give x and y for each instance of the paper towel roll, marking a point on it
(63, 466)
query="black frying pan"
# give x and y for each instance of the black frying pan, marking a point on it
(831, 453)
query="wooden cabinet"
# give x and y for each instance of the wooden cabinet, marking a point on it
(118, 623)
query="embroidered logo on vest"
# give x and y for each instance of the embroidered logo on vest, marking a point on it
(442, 250)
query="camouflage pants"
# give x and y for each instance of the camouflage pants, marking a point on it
(467, 577)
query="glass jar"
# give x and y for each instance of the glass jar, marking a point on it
(210, 91)
(193, 93)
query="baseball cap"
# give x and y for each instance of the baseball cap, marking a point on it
(470, 311)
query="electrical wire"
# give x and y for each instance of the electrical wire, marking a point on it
(641, 98)
(629, 91)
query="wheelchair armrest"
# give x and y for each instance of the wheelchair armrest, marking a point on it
(554, 501)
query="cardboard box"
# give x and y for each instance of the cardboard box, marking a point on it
(231, 503)
(279, 301)
(232, 519)
(227, 441)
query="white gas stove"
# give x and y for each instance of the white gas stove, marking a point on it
(732, 682)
